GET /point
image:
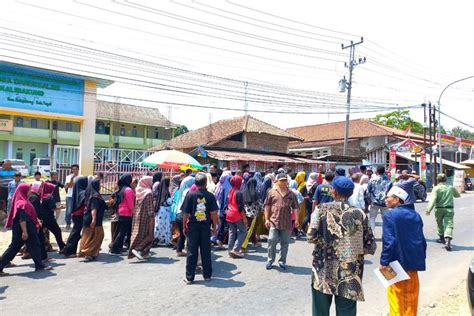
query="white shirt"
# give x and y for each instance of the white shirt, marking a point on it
(357, 197)
(71, 189)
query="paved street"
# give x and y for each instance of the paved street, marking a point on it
(115, 285)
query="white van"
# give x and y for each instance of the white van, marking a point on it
(42, 165)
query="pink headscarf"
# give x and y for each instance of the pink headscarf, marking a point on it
(20, 201)
(193, 188)
(144, 188)
(37, 187)
(48, 189)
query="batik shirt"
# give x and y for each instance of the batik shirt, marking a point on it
(341, 235)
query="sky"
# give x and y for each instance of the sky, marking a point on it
(280, 60)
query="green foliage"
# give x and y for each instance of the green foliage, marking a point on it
(181, 130)
(458, 131)
(398, 119)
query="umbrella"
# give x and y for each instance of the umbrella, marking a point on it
(171, 159)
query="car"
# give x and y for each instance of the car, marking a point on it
(42, 165)
(20, 166)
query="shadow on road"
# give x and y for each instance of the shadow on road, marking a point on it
(462, 248)
(2, 291)
(156, 260)
(36, 275)
(221, 283)
(298, 270)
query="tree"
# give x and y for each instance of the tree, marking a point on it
(399, 119)
(458, 131)
(180, 130)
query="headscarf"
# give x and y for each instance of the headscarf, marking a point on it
(79, 193)
(236, 183)
(267, 185)
(258, 177)
(157, 176)
(20, 201)
(36, 187)
(163, 192)
(48, 190)
(312, 179)
(144, 188)
(92, 191)
(211, 187)
(174, 184)
(183, 190)
(124, 182)
(300, 177)
(293, 187)
(193, 188)
(222, 191)
(250, 192)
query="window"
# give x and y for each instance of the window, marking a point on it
(122, 131)
(134, 131)
(107, 129)
(156, 135)
(19, 122)
(19, 155)
(34, 123)
(69, 126)
(100, 128)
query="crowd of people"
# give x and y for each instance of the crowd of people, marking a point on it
(194, 211)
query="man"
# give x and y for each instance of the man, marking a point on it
(442, 200)
(357, 198)
(199, 211)
(377, 188)
(364, 178)
(69, 186)
(323, 193)
(6, 175)
(278, 205)
(37, 176)
(12, 187)
(341, 237)
(214, 171)
(403, 240)
(406, 182)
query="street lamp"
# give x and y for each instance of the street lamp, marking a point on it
(439, 120)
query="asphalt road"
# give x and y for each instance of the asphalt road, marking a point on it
(115, 285)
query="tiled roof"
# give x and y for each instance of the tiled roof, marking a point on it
(132, 114)
(220, 130)
(359, 128)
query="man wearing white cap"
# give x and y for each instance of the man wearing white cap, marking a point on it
(403, 240)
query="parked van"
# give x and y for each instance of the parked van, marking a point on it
(42, 165)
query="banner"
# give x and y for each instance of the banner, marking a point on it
(393, 164)
(252, 166)
(234, 165)
(423, 166)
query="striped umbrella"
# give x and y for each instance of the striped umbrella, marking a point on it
(172, 159)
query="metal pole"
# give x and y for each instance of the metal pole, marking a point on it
(348, 102)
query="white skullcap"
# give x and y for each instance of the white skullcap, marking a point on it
(397, 191)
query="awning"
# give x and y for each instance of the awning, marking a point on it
(410, 156)
(245, 156)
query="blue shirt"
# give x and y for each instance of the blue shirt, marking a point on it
(323, 194)
(403, 239)
(12, 187)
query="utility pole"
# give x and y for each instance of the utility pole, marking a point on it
(246, 104)
(351, 65)
(435, 165)
(430, 119)
(424, 126)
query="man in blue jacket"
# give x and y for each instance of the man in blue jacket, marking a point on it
(403, 240)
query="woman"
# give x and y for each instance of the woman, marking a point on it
(78, 206)
(35, 199)
(163, 214)
(308, 193)
(143, 220)
(183, 191)
(253, 207)
(48, 213)
(266, 186)
(258, 177)
(93, 232)
(125, 201)
(299, 197)
(236, 219)
(24, 222)
(222, 199)
(301, 187)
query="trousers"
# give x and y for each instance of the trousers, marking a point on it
(124, 229)
(237, 232)
(322, 304)
(199, 240)
(182, 237)
(445, 221)
(276, 236)
(374, 211)
(49, 221)
(69, 210)
(74, 236)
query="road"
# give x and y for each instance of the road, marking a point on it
(115, 285)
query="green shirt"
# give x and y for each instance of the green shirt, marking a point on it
(442, 197)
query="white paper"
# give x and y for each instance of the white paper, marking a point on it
(401, 274)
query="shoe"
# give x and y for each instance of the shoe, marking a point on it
(137, 254)
(188, 282)
(114, 253)
(269, 265)
(441, 240)
(181, 254)
(46, 268)
(147, 256)
(448, 244)
(282, 266)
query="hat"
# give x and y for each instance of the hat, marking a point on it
(340, 172)
(343, 185)
(281, 176)
(398, 191)
(281, 170)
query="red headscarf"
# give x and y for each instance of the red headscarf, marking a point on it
(48, 189)
(236, 183)
(20, 201)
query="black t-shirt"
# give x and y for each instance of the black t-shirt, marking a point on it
(100, 206)
(199, 205)
(35, 200)
(48, 206)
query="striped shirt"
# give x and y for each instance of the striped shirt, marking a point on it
(281, 207)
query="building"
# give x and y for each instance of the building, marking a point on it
(239, 141)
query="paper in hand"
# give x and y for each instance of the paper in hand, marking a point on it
(394, 275)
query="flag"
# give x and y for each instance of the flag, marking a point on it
(407, 131)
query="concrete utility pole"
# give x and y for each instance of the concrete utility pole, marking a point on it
(246, 104)
(351, 65)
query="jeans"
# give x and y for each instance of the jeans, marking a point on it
(199, 236)
(182, 236)
(74, 236)
(68, 214)
(222, 226)
(374, 211)
(124, 228)
(276, 236)
(322, 304)
(32, 244)
(49, 221)
(238, 230)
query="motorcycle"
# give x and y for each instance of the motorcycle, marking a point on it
(468, 184)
